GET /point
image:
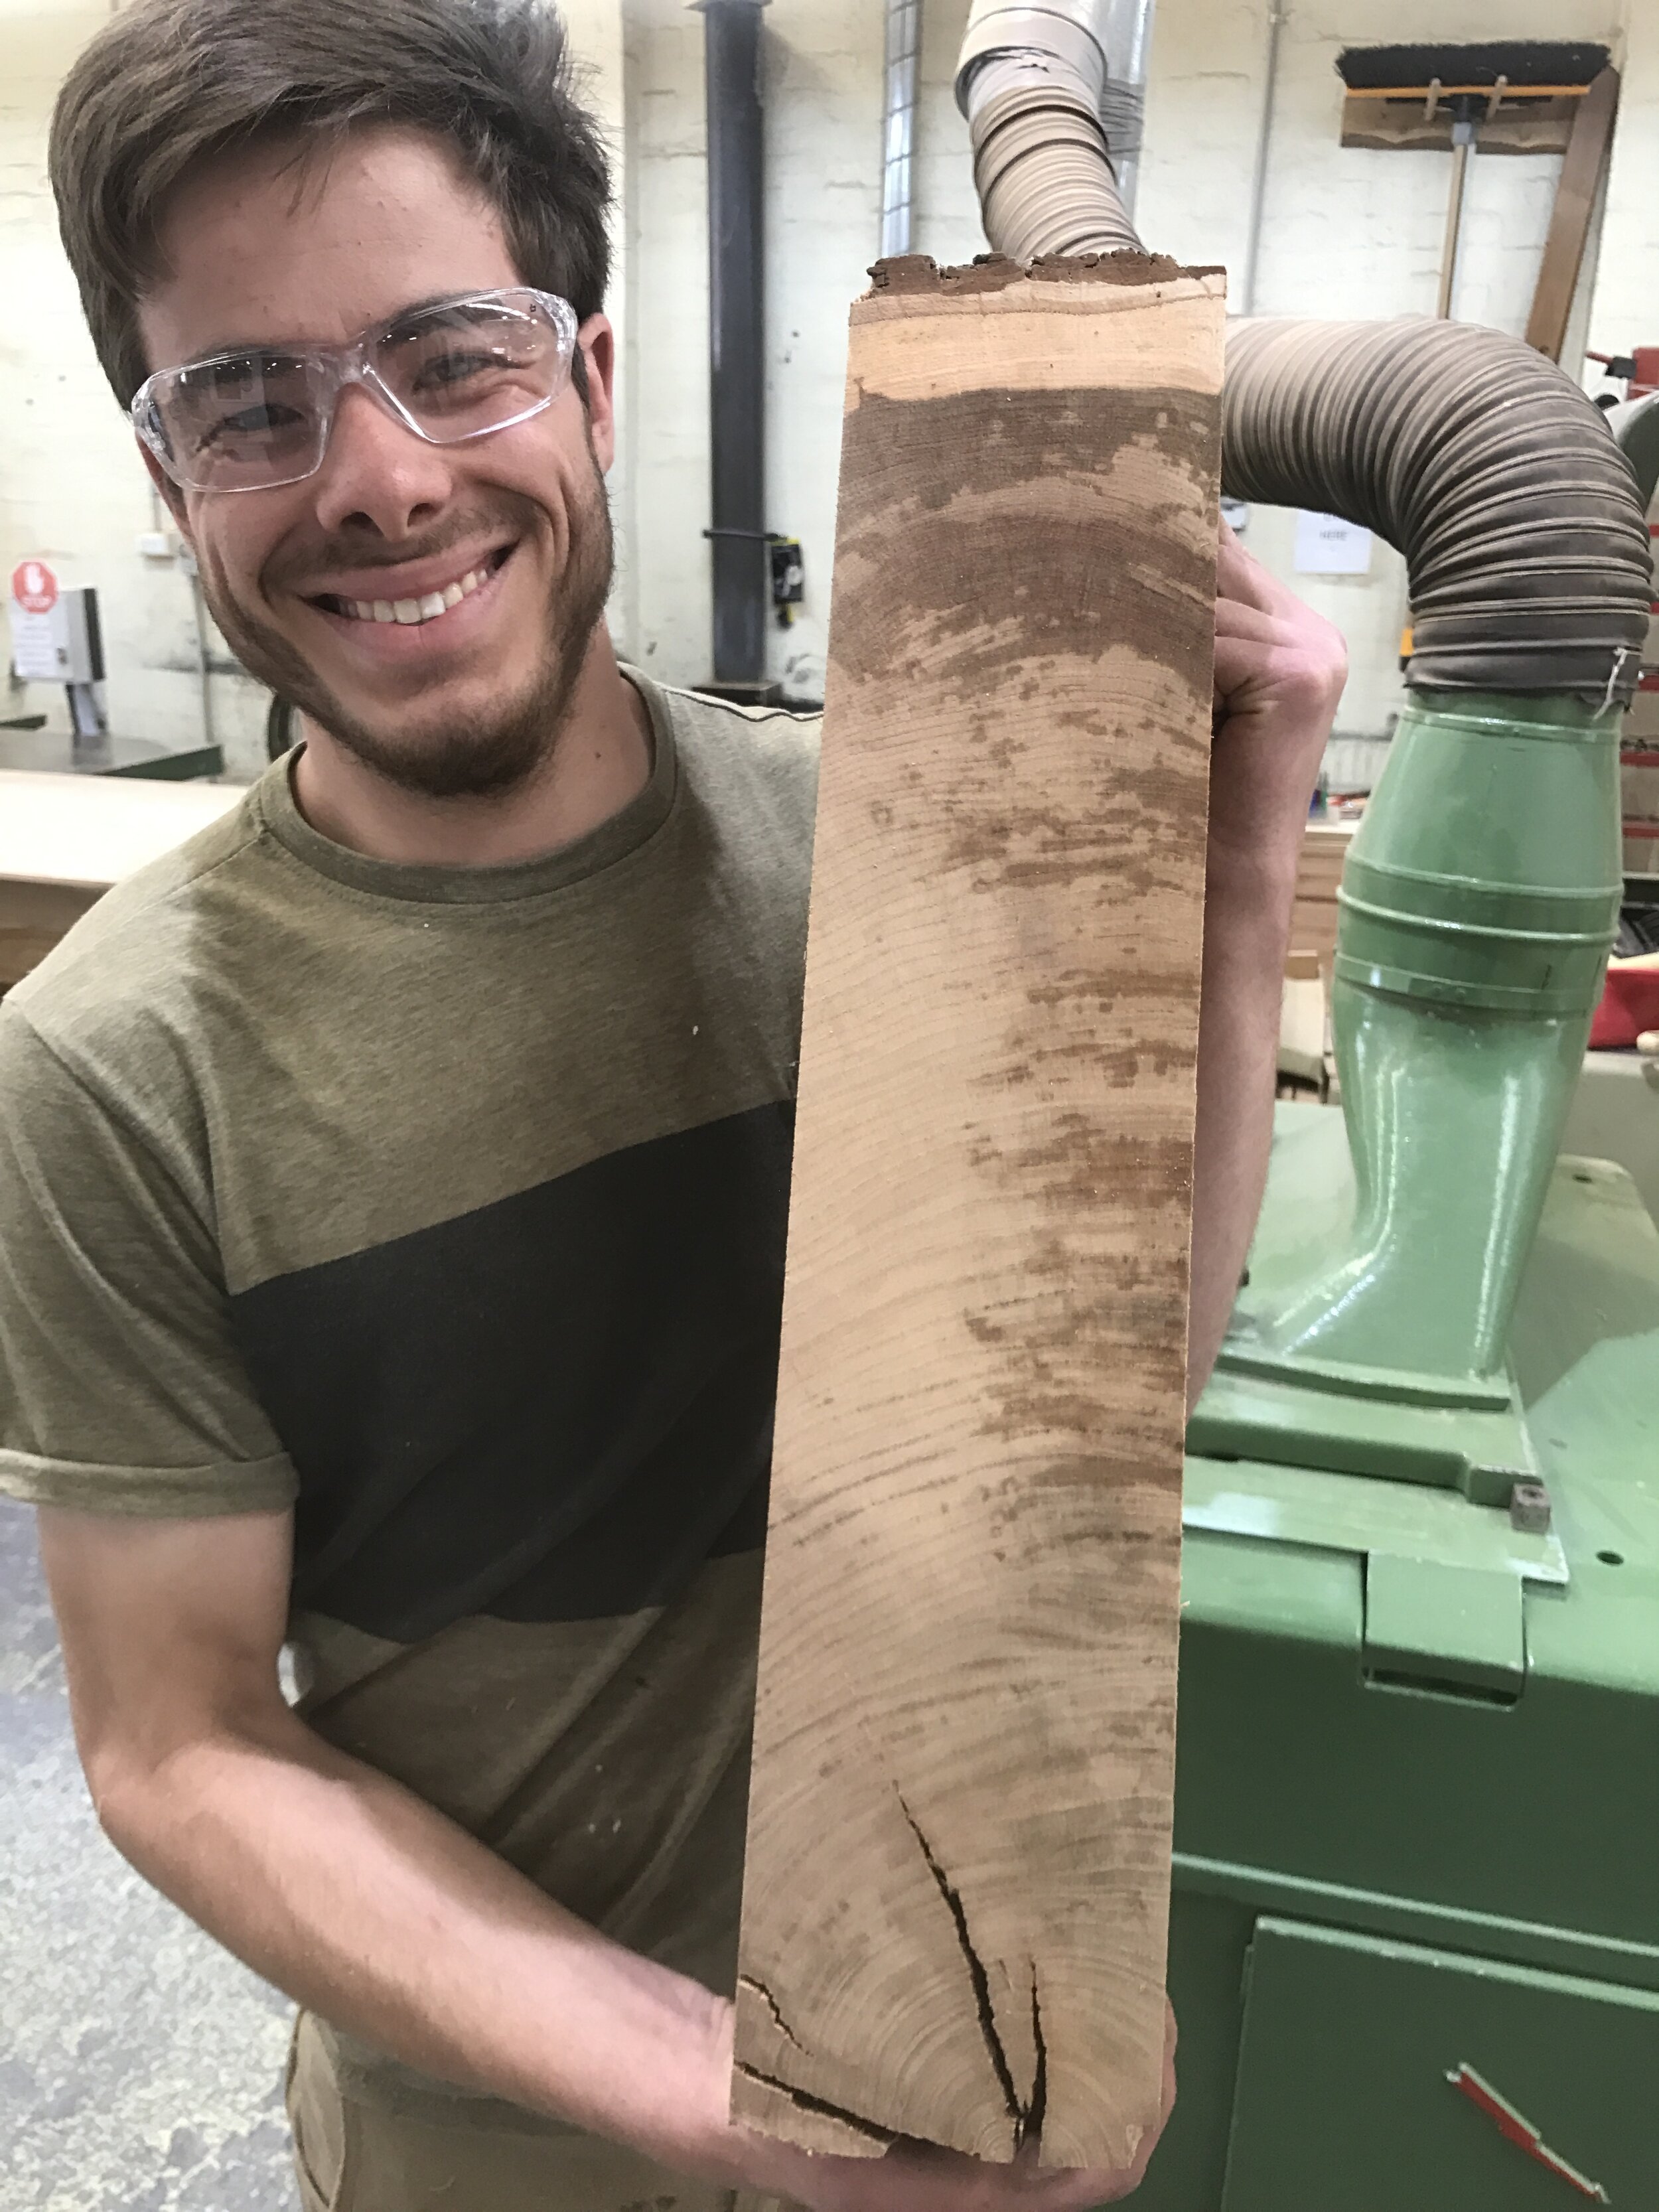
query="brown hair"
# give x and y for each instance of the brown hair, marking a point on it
(170, 83)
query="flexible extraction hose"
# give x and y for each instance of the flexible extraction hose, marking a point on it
(1525, 542)
(1031, 81)
(1486, 465)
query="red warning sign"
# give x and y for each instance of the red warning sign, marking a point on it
(34, 587)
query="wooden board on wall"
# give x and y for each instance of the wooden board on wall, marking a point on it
(955, 1895)
(1582, 167)
(1402, 124)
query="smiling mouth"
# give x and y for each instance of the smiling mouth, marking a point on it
(413, 613)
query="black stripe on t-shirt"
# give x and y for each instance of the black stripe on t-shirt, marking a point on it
(553, 1408)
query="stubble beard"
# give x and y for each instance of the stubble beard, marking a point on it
(493, 754)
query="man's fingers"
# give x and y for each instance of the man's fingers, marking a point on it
(1240, 576)
(1234, 619)
(917, 2176)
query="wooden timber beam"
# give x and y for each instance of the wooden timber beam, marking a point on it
(957, 1889)
(1582, 168)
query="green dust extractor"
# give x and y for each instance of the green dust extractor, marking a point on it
(1415, 1945)
(1414, 1948)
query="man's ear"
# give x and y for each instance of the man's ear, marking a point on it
(597, 341)
(169, 491)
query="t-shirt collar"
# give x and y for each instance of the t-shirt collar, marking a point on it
(622, 834)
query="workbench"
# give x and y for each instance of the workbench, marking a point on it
(66, 839)
(22, 747)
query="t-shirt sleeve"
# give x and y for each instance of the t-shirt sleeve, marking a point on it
(121, 1387)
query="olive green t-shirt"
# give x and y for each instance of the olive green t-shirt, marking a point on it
(447, 1205)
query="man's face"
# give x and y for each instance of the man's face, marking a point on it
(266, 247)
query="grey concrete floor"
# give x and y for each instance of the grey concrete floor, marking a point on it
(140, 2065)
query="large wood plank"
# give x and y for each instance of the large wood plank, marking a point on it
(1401, 125)
(956, 1890)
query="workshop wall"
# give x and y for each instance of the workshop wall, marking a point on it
(1352, 233)
(1344, 232)
(1624, 307)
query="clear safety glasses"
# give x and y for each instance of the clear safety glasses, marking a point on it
(456, 369)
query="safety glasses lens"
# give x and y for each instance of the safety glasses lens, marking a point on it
(244, 420)
(471, 366)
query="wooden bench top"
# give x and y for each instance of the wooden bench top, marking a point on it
(89, 832)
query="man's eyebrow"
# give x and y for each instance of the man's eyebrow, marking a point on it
(235, 346)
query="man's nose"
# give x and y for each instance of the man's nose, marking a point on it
(377, 473)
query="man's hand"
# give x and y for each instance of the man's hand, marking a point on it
(1280, 670)
(921, 2178)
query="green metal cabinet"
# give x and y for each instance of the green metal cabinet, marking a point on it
(1417, 1801)
(1346, 2093)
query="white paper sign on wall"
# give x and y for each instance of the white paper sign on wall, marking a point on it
(1326, 545)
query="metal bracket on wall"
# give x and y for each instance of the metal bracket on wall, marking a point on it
(788, 568)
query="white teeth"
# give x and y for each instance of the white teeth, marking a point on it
(416, 610)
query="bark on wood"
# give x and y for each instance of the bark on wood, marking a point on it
(957, 1893)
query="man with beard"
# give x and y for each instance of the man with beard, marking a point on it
(393, 1181)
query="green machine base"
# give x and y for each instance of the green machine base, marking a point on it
(1415, 1941)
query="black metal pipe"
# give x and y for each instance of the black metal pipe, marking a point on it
(737, 356)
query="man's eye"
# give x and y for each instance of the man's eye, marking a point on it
(255, 422)
(452, 368)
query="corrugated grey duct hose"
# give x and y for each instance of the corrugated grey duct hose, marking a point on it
(1485, 464)
(1524, 538)
(1038, 153)
(1031, 81)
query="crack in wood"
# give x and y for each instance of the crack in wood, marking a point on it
(749, 1982)
(1026, 2116)
(804, 2101)
(1030, 2129)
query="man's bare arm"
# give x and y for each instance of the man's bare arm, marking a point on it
(1280, 672)
(333, 1881)
(360, 1900)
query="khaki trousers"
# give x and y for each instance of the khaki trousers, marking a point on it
(352, 2157)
